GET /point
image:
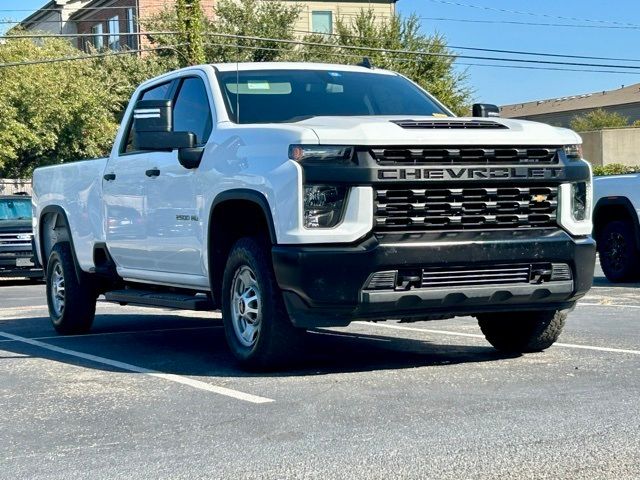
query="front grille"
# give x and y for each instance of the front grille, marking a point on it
(465, 155)
(475, 276)
(402, 208)
(15, 239)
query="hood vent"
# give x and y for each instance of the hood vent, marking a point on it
(449, 124)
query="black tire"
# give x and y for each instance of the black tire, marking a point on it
(276, 342)
(76, 313)
(522, 332)
(619, 255)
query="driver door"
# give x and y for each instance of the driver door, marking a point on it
(174, 206)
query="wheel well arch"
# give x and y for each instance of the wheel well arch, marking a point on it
(53, 227)
(235, 214)
(614, 209)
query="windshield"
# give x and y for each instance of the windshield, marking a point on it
(15, 209)
(276, 96)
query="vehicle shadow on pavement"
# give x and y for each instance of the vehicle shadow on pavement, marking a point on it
(601, 281)
(196, 347)
(20, 282)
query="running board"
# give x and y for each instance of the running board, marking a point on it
(150, 298)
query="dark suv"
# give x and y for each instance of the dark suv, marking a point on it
(16, 238)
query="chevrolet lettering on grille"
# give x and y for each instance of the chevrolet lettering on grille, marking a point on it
(469, 173)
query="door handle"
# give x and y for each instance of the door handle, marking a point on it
(152, 172)
(109, 177)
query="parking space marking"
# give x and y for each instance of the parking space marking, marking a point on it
(134, 368)
(123, 332)
(582, 304)
(475, 335)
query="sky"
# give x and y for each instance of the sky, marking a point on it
(509, 85)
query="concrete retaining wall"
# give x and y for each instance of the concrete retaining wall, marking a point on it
(615, 145)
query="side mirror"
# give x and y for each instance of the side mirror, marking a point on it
(485, 110)
(152, 124)
(190, 157)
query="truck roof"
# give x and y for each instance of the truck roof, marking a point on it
(244, 66)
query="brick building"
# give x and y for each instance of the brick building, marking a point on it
(113, 24)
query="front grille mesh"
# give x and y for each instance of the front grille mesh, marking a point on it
(465, 155)
(402, 208)
(470, 277)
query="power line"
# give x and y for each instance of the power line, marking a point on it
(533, 14)
(405, 59)
(89, 56)
(530, 24)
(422, 53)
(152, 33)
(282, 49)
(494, 50)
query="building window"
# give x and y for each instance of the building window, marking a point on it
(322, 22)
(114, 33)
(98, 39)
(131, 27)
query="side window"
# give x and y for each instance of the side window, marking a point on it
(159, 92)
(191, 112)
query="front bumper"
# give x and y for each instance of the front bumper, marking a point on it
(324, 285)
(19, 261)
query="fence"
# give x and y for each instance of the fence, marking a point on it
(10, 186)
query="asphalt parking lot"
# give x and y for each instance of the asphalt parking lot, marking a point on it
(155, 394)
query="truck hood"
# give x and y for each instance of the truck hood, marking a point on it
(383, 130)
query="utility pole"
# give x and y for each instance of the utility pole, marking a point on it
(190, 31)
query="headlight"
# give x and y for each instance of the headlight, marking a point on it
(323, 205)
(321, 153)
(573, 152)
(575, 207)
(579, 201)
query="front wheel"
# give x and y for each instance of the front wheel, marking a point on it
(522, 332)
(72, 303)
(256, 324)
(619, 255)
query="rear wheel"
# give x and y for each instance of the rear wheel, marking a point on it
(619, 255)
(257, 326)
(72, 303)
(522, 332)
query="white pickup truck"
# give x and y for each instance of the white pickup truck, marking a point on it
(296, 195)
(616, 226)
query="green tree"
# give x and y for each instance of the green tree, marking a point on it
(191, 25)
(252, 18)
(62, 111)
(598, 120)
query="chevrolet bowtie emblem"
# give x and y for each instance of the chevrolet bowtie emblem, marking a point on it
(539, 198)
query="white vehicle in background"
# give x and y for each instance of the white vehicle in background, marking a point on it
(616, 227)
(297, 195)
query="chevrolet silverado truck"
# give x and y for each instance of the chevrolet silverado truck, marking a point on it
(16, 238)
(294, 196)
(616, 227)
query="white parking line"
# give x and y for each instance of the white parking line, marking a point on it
(133, 368)
(583, 304)
(123, 332)
(474, 335)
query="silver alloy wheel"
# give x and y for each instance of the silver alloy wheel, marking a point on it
(246, 314)
(57, 290)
